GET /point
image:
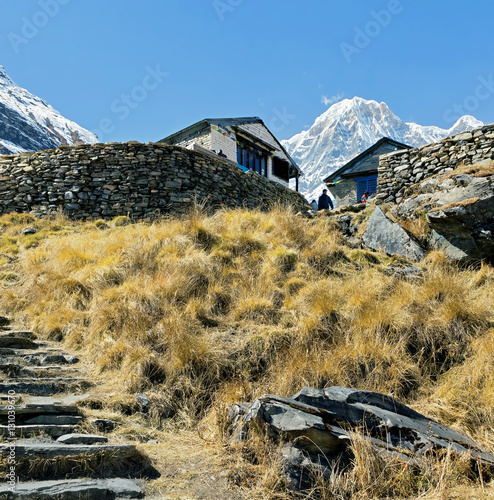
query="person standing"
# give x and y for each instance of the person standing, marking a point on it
(325, 202)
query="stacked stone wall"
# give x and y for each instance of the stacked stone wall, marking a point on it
(142, 181)
(402, 169)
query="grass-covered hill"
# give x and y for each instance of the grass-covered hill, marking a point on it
(206, 310)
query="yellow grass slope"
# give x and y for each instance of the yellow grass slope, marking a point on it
(208, 310)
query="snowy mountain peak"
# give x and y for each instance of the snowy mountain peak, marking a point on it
(5, 80)
(28, 123)
(348, 128)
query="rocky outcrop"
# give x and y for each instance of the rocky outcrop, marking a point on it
(316, 427)
(384, 234)
(459, 210)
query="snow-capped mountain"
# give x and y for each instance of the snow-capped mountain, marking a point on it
(347, 129)
(27, 123)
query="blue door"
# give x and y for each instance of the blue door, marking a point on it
(366, 184)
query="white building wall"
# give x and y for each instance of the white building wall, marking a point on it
(225, 140)
(204, 140)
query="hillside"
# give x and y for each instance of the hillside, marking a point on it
(348, 128)
(200, 311)
(28, 123)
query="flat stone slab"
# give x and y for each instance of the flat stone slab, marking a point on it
(17, 342)
(52, 450)
(55, 431)
(82, 439)
(34, 388)
(73, 489)
(55, 420)
(42, 408)
(67, 399)
(19, 333)
(321, 420)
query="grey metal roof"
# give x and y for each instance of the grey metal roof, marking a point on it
(367, 162)
(203, 124)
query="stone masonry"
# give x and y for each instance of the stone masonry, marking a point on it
(142, 181)
(402, 169)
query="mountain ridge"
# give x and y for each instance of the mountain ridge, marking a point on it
(28, 123)
(348, 128)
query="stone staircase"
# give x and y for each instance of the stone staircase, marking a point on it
(44, 451)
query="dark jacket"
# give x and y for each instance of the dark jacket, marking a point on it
(325, 202)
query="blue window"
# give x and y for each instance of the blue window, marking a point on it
(251, 158)
(366, 184)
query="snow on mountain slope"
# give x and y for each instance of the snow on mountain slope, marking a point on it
(349, 127)
(27, 123)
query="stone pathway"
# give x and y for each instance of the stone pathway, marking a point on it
(44, 450)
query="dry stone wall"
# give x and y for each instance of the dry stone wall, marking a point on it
(139, 180)
(402, 169)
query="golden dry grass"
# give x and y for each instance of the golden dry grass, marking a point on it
(207, 310)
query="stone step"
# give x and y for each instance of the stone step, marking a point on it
(77, 438)
(55, 431)
(32, 449)
(17, 343)
(55, 420)
(73, 489)
(41, 409)
(19, 333)
(42, 387)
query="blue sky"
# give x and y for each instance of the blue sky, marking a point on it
(141, 70)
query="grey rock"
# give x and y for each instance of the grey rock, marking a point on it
(4, 321)
(17, 342)
(46, 408)
(74, 489)
(4, 351)
(54, 358)
(408, 272)
(55, 420)
(29, 230)
(316, 426)
(384, 234)
(105, 424)
(143, 401)
(82, 439)
(53, 431)
(25, 448)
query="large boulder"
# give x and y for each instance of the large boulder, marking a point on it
(384, 234)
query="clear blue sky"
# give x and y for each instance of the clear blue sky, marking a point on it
(144, 69)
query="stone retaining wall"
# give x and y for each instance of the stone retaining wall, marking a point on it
(139, 180)
(400, 170)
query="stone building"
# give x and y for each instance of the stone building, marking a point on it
(244, 141)
(350, 182)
